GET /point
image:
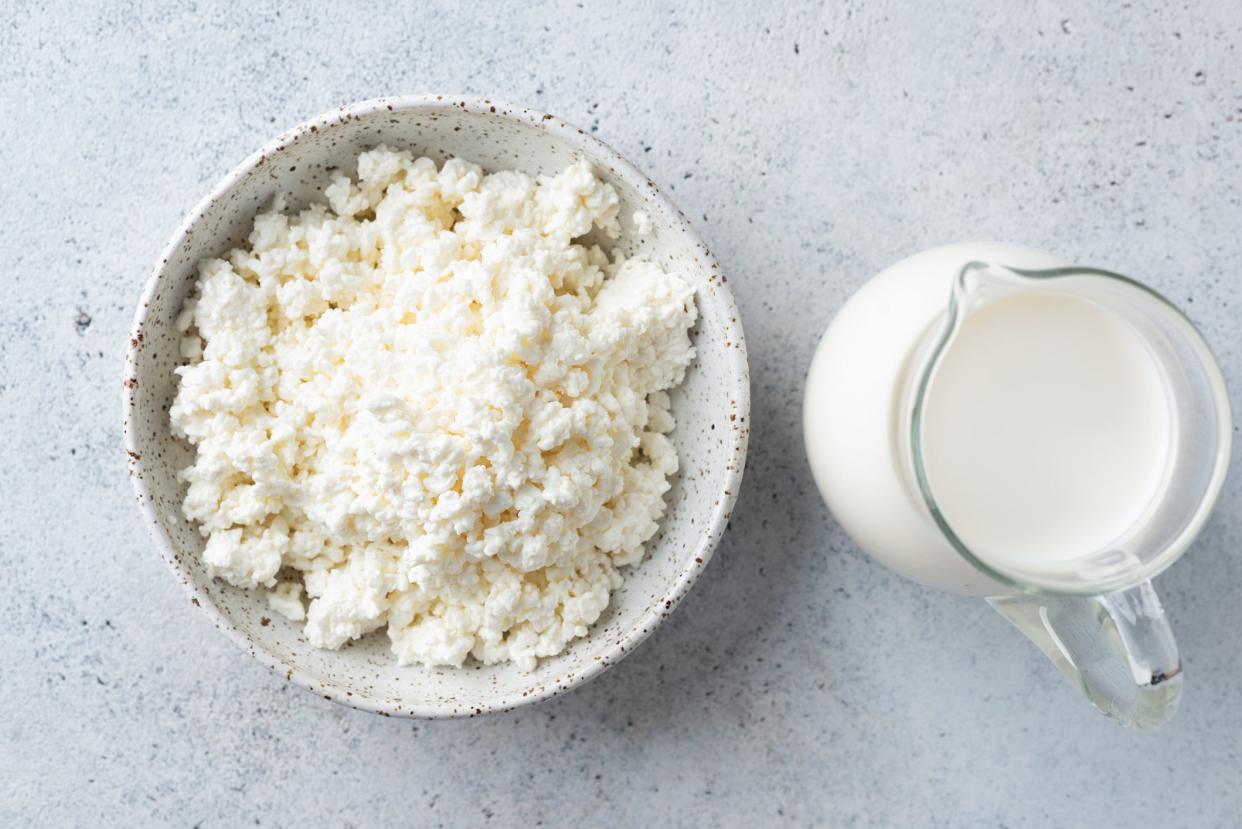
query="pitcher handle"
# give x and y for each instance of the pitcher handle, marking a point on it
(1116, 648)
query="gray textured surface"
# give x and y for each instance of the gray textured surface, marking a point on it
(799, 681)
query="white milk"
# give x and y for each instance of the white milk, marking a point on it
(1046, 436)
(1046, 429)
(1055, 450)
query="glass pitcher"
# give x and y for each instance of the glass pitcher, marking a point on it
(1093, 612)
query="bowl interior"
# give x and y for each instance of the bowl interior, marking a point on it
(711, 407)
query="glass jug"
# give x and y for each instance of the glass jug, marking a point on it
(1094, 612)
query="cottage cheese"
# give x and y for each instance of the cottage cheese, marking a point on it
(424, 406)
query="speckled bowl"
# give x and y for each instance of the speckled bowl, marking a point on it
(711, 407)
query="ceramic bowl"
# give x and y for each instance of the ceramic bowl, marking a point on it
(711, 407)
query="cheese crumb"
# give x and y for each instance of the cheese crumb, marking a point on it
(427, 408)
(286, 599)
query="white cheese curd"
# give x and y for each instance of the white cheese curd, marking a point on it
(424, 406)
(286, 599)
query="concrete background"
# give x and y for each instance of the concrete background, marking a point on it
(812, 145)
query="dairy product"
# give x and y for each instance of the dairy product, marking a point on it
(854, 413)
(1047, 426)
(425, 407)
(1047, 429)
(990, 419)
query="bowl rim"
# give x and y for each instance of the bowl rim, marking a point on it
(598, 152)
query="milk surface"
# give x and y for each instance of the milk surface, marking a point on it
(1047, 429)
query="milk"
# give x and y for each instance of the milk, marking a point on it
(1046, 429)
(988, 419)
(1045, 438)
